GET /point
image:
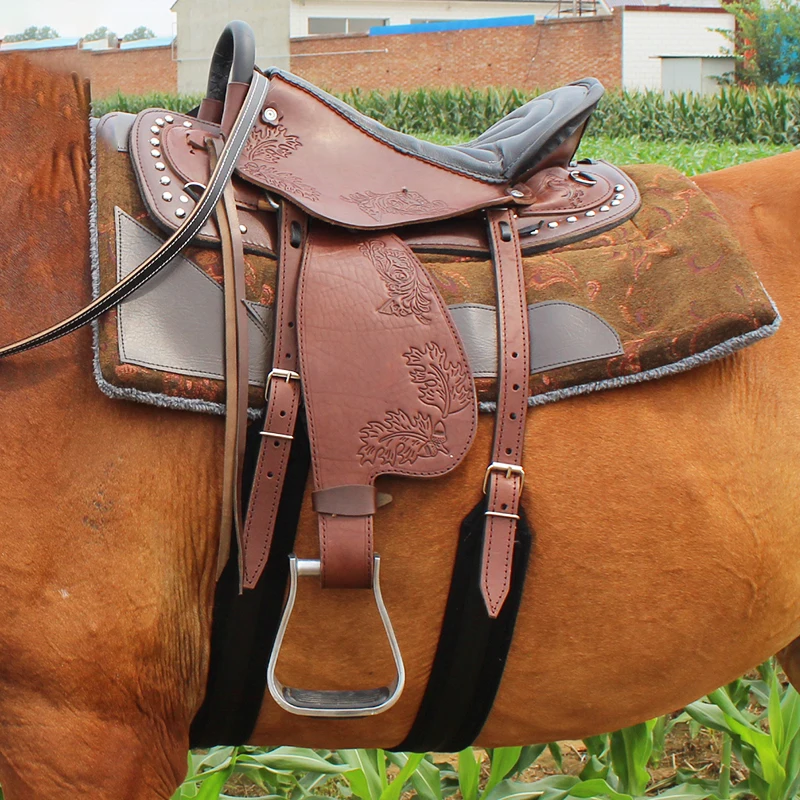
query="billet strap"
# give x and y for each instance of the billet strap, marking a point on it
(504, 476)
(236, 362)
(240, 133)
(283, 402)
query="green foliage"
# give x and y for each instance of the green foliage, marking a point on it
(764, 116)
(138, 33)
(102, 32)
(766, 41)
(133, 104)
(32, 33)
(767, 742)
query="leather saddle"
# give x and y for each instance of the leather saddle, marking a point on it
(362, 338)
(363, 341)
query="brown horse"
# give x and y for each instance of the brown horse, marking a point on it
(665, 518)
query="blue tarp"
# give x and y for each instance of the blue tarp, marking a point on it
(41, 44)
(453, 25)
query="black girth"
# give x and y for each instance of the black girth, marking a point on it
(470, 657)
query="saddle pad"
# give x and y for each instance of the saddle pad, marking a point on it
(666, 291)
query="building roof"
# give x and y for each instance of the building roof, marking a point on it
(98, 44)
(41, 44)
(142, 44)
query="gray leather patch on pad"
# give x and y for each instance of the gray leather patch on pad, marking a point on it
(175, 322)
(561, 334)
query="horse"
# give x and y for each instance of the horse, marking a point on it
(665, 518)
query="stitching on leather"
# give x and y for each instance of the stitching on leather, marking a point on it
(272, 408)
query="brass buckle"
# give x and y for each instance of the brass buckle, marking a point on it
(509, 469)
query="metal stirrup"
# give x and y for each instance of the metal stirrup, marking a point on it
(326, 702)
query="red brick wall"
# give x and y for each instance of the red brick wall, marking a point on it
(128, 71)
(545, 55)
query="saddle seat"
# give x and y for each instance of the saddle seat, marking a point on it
(507, 152)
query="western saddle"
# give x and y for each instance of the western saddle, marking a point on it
(362, 338)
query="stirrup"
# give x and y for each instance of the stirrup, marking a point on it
(326, 702)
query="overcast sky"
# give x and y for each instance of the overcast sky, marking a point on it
(79, 17)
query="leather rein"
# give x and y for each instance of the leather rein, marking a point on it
(221, 175)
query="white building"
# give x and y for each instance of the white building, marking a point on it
(675, 48)
(666, 44)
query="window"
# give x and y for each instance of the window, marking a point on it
(343, 24)
(327, 25)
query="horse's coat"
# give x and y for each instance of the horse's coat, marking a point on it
(665, 516)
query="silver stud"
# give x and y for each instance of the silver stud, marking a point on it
(160, 122)
(167, 196)
(552, 224)
(166, 180)
(187, 124)
(180, 213)
(169, 118)
(590, 213)
(605, 208)
(160, 166)
(517, 193)
(619, 188)
(243, 228)
(183, 198)
(270, 116)
(535, 232)
(154, 142)
(619, 196)
(155, 129)
(572, 219)
(615, 202)
(155, 153)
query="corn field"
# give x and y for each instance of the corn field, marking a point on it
(765, 115)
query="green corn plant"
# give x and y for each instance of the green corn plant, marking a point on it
(287, 772)
(767, 744)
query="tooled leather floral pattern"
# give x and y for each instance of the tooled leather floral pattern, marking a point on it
(287, 183)
(569, 190)
(403, 202)
(268, 146)
(401, 438)
(410, 292)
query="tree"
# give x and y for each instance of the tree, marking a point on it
(140, 33)
(32, 33)
(98, 33)
(766, 41)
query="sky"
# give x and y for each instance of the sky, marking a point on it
(79, 17)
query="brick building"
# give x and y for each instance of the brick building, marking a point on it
(388, 44)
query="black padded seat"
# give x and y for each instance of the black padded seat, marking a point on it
(506, 152)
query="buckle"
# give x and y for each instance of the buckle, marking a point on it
(509, 469)
(286, 374)
(332, 703)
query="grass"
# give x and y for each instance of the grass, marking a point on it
(692, 158)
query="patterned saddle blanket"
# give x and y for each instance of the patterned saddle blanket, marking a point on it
(661, 293)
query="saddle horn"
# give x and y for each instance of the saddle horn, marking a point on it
(230, 74)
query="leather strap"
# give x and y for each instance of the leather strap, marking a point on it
(505, 477)
(283, 402)
(240, 133)
(346, 551)
(236, 362)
